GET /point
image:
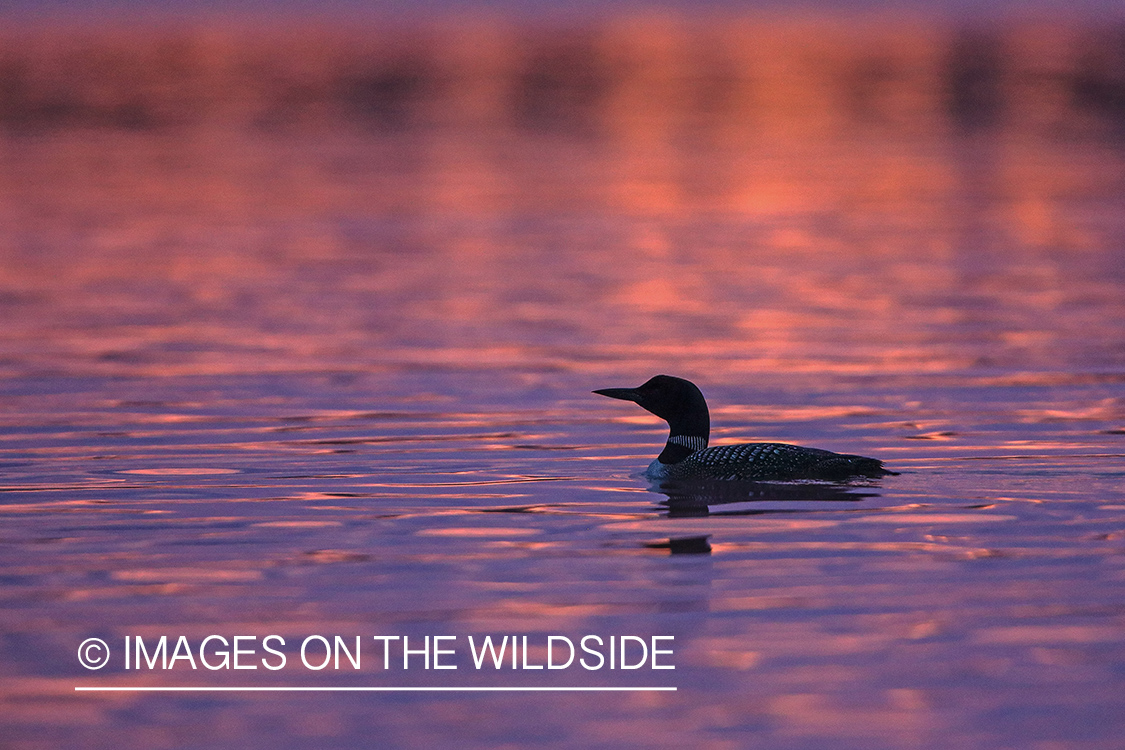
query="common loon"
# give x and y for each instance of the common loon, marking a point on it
(686, 455)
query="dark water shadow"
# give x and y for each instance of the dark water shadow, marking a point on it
(694, 499)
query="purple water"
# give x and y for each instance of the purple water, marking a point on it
(333, 378)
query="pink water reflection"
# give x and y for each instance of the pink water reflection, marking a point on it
(299, 332)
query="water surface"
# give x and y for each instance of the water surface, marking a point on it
(335, 379)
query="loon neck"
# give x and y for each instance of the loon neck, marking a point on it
(680, 447)
(689, 427)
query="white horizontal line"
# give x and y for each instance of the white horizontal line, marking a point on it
(369, 689)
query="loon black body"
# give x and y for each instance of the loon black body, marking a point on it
(686, 455)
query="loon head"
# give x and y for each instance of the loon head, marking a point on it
(675, 400)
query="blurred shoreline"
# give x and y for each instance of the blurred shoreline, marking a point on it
(627, 77)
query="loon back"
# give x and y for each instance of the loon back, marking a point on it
(686, 455)
(765, 461)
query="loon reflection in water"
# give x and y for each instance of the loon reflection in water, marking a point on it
(695, 498)
(687, 457)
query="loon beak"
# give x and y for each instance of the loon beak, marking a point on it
(625, 394)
